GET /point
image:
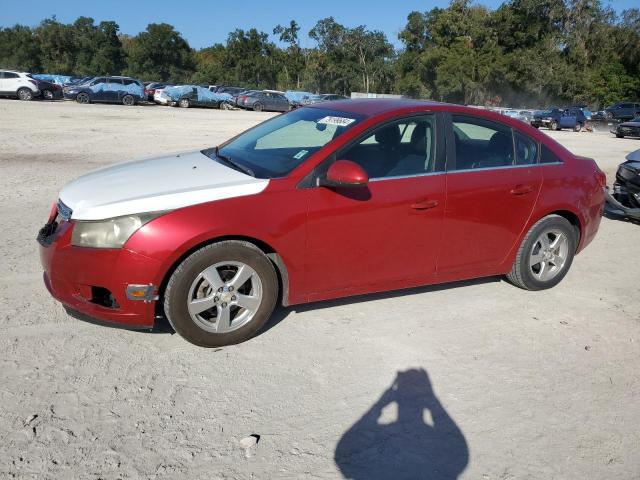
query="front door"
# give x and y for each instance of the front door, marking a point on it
(388, 232)
(492, 186)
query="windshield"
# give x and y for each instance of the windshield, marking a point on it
(274, 148)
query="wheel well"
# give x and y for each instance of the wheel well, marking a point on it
(268, 250)
(573, 219)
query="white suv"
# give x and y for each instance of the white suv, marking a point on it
(18, 84)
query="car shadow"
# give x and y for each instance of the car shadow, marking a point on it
(162, 325)
(406, 434)
(283, 312)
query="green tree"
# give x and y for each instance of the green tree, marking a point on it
(159, 53)
(19, 49)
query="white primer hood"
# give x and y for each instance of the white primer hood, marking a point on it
(155, 184)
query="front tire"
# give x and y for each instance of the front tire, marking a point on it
(553, 126)
(221, 294)
(545, 255)
(25, 94)
(83, 98)
(620, 135)
(578, 127)
(47, 94)
(184, 103)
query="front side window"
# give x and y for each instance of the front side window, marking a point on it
(403, 148)
(274, 148)
(481, 143)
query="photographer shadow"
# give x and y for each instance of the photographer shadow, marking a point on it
(423, 441)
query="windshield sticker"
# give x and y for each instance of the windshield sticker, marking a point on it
(339, 121)
(300, 154)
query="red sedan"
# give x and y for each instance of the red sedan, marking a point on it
(323, 202)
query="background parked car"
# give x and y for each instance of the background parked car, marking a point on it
(628, 129)
(557, 119)
(622, 111)
(18, 84)
(265, 100)
(186, 96)
(150, 89)
(49, 90)
(125, 90)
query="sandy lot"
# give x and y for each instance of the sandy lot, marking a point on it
(477, 379)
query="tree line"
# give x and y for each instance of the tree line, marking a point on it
(523, 53)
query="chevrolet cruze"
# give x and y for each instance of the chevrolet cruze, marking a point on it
(323, 202)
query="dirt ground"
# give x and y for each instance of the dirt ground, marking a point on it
(477, 379)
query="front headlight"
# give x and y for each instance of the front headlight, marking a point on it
(109, 233)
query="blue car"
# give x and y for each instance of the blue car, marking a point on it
(557, 119)
(125, 90)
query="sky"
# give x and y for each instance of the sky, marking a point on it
(204, 23)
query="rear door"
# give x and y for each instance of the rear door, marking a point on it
(568, 119)
(492, 187)
(2, 82)
(114, 92)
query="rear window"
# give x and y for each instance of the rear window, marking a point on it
(547, 156)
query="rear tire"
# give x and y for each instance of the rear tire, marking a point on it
(527, 271)
(128, 100)
(620, 135)
(195, 280)
(258, 107)
(553, 126)
(25, 94)
(578, 127)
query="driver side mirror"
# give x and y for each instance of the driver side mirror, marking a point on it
(344, 173)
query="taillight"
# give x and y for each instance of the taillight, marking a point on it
(34, 82)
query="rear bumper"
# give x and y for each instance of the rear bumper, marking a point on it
(72, 275)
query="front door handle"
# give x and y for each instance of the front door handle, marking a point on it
(521, 190)
(425, 204)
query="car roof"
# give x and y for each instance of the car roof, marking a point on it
(375, 106)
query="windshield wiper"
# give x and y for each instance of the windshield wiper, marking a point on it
(235, 165)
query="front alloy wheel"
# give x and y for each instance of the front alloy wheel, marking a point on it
(221, 294)
(225, 296)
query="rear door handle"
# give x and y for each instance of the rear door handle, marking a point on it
(425, 204)
(521, 190)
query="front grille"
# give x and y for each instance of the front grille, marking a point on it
(64, 211)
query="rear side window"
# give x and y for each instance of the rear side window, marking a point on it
(117, 81)
(128, 81)
(481, 143)
(10, 75)
(547, 156)
(526, 150)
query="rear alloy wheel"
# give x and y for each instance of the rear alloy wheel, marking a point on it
(545, 255)
(184, 103)
(553, 126)
(258, 107)
(128, 100)
(82, 98)
(25, 94)
(578, 127)
(222, 294)
(47, 94)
